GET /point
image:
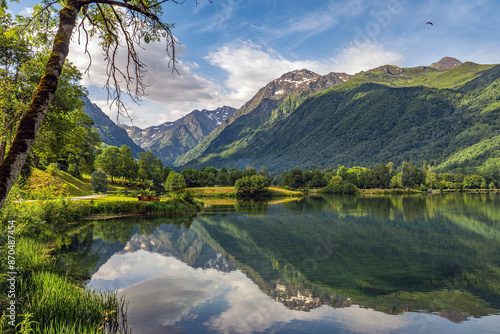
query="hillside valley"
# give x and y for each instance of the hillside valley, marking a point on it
(445, 113)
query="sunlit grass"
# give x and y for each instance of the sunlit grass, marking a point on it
(57, 305)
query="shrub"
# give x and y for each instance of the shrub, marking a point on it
(474, 182)
(256, 185)
(175, 181)
(99, 181)
(340, 189)
(53, 169)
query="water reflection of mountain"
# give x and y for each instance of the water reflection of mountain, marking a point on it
(439, 254)
(182, 244)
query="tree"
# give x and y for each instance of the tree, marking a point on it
(14, 52)
(175, 182)
(165, 172)
(317, 180)
(411, 176)
(109, 161)
(336, 179)
(249, 171)
(150, 169)
(234, 175)
(128, 166)
(191, 177)
(251, 186)
(66, 133)
(294, 179)
(99, 181)
(381, 175)
(474, 182)
(133, 20)
(222, 178)
(265, 173)
(243, 185)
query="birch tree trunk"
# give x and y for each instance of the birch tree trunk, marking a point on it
(32, 120)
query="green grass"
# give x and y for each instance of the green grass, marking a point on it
(230, 192)
(212, 192)
(57, 304)
(276, 191)
(43, 185)
(48, 302)
(62, 211)
(59, 184)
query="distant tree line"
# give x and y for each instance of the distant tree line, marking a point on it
(148, 172)
(384, 176)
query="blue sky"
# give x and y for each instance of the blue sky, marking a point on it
(231, 48)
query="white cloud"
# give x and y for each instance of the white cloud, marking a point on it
(170, 95)
(361, 56)
(163, 293)
(250, 67)
(27, 11)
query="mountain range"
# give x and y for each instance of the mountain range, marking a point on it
(445, 113)
(110, 133)
(168, 140)
(172, 139)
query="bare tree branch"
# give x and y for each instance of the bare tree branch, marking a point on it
(37, 14)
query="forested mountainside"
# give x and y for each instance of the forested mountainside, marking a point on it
(446, 113)
(288, 90)
(110, 133)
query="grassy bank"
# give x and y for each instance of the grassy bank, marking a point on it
(230, 192)
(377, 192)
(50, 302)
(47, 298)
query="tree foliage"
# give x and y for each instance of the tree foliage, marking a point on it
(109, 161)
(175, 182)
(255, 185)
(116, 23)
(99, 181)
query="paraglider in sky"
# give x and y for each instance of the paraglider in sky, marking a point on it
(429, 23)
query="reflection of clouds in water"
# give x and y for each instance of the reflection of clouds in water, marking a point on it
(162, 291)
(163, 294)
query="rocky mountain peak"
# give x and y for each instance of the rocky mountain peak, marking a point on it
(446, 63)
(294, 80)
(220, 114)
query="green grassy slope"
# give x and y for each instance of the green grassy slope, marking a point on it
(42, 184)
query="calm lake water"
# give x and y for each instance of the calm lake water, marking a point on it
(421, 264)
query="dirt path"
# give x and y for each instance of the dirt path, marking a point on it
(87, 197)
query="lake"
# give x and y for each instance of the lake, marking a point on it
(416, 264)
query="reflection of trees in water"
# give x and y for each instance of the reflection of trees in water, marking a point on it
(251, 206)
(74, 246)
(410, 207)
(75, 257)
(393, 253)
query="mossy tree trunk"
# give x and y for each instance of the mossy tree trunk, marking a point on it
(135, 21)
(32, 120)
